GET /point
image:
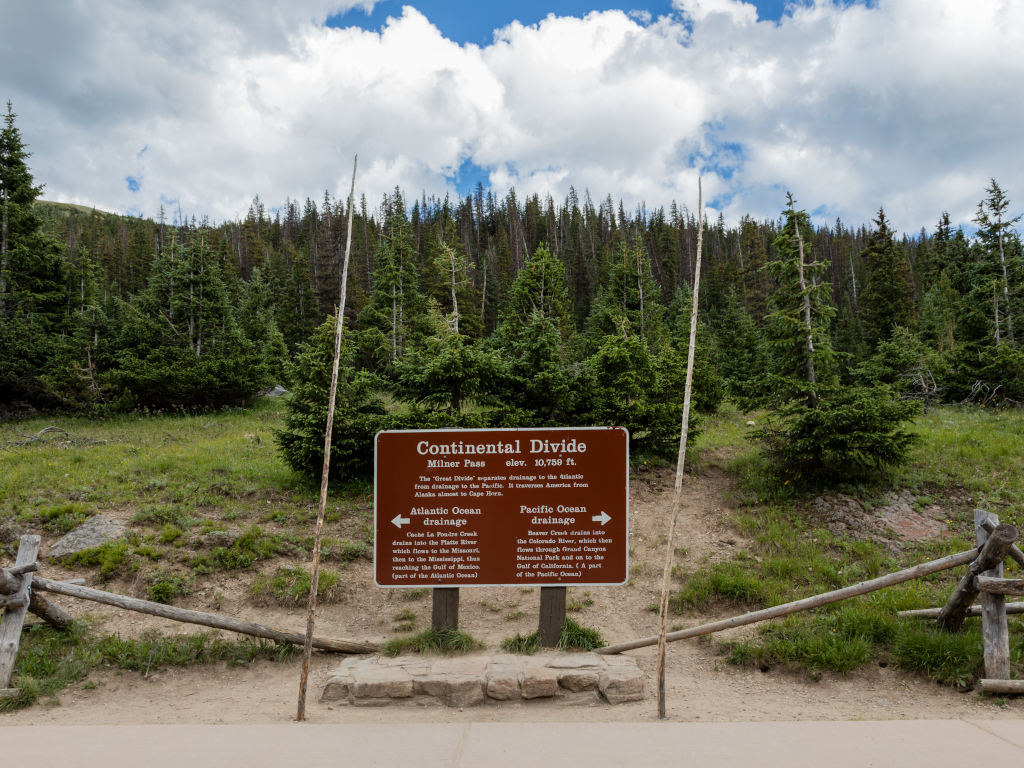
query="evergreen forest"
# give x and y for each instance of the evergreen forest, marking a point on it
(496, 310)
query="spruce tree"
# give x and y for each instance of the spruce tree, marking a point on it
(534, 341)
(632, 375)
(393, 319)
(447, 368)
(819, 433)
(887, 298)
(181, 345)
(796, 331)
(360, 411)
(994, 230)
(32, 281)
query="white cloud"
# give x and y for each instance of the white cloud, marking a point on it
(907, 104)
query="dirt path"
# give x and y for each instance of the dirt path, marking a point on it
(701, 685)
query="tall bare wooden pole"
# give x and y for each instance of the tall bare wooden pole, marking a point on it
(678, 496)
(307, 648)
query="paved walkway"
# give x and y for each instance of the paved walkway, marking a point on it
(888, 744)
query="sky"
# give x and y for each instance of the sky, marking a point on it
(201, 105)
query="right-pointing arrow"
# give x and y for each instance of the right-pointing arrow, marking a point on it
(603, 518)
(399, 521)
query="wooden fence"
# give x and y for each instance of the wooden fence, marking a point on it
(20, 587)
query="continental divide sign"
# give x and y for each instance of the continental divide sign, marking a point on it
(515, 507)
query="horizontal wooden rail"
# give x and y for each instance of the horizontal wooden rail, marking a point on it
(997, 586)
(1012, 687)
(933, 566)
(974, 610)
(197, 617)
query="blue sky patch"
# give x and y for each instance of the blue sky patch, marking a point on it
(133, 183)
(466, 177)
(475, 22)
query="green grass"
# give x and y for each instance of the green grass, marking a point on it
(291, 586)
(163, 586)
(58, 518)
(980, 450)
(577, 604)
(225, 460)
(576, 637)
(345, 551)
(433, 641)
(525, 645)
(253, 545)
(964, 452)
(49, 660)
(119, 557)
(205, 494)
(573, 638)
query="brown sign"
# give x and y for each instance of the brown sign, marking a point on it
(514, 507)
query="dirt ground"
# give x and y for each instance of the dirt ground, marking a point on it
(701, 686)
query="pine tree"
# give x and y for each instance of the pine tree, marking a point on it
(32, 281)
(629, 301)
(737, 345)
(394, 317)
(796, 331)
(447, 368)
(994, 229)
(359, 411)
(819, 433)
(534, 340)
(887, 298)
(181, 345)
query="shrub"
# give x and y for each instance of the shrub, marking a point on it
(847, 435)
(359, 413)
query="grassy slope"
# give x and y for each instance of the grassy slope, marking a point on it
(973, 452)
(204, 494)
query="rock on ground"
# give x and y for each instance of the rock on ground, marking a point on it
(94, 532)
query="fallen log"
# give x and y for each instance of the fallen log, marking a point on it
(933, 566)
(974, 610)
(197, 617)
(992, 554)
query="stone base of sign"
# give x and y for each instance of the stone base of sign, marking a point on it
(467, 681)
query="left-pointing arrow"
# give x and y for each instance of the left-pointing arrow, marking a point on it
(399, 521)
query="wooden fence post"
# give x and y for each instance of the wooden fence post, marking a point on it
(994, 630)
(14, 615)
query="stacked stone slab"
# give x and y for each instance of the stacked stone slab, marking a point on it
(468, 681)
